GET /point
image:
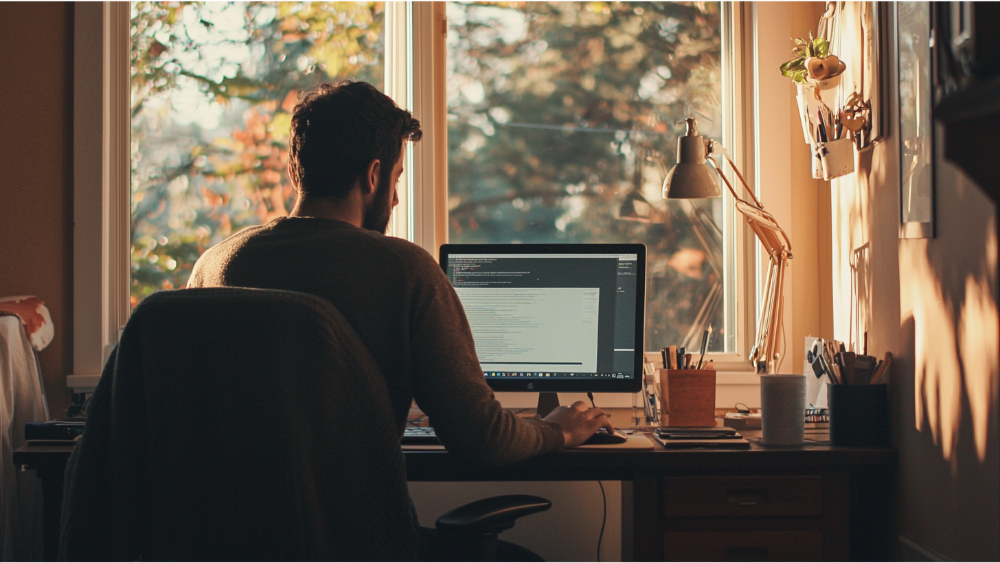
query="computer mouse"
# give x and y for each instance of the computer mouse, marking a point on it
(603, 437)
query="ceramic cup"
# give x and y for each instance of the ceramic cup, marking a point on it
(783, 407)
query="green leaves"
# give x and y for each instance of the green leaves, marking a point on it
(796, 67)
(814, 47)
(820, 47)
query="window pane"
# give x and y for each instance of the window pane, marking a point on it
(563, 119)
(213, 87)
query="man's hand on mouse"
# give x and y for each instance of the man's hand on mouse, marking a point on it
(579, 422)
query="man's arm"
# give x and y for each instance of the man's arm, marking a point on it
(449, 385)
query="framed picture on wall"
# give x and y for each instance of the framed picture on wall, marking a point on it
(874, 22)
(916, 126)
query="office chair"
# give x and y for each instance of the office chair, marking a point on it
(247, 424)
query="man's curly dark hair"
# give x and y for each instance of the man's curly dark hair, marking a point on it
(338, 130)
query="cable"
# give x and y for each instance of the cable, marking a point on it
(604, 518)
(604, 498)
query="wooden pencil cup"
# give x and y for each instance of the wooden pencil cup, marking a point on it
(687, 396)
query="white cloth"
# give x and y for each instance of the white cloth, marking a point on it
(21, 401)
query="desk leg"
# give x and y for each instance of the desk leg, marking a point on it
(628, 521)
(52, 497)
(640, 535)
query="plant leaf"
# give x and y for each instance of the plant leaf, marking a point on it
(793, 65)
(821, 47)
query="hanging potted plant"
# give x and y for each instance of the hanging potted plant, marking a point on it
(813, 66)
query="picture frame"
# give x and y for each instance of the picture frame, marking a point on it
(876, 18)
(915, 101)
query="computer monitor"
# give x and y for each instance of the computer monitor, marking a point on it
(553, 318)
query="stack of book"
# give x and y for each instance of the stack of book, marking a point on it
(700, 437)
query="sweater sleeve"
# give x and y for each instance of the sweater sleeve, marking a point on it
(448, 382)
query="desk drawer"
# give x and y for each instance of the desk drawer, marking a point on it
(685, 497)
(743, 546)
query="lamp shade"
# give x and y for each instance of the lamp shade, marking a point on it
(691, 177)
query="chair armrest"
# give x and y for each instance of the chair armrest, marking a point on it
(490, 515)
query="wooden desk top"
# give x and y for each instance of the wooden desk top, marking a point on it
(587, 465)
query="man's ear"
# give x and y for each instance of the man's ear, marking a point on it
(291, 177)
(370, 183)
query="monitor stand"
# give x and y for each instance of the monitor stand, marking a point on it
(547, 402)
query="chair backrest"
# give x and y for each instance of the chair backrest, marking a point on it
(241, 424)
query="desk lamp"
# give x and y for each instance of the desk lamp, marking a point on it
(692, 178)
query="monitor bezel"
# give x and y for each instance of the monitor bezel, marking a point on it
(569, 386)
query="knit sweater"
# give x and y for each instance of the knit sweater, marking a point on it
(405, 311)
(219, 432)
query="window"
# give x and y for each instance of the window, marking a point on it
(562, 123)
(194, 101)
(213, 86)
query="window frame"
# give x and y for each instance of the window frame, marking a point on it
(738, 115)
(415, 46)
(101, 205)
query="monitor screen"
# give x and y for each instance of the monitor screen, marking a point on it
(553, 317)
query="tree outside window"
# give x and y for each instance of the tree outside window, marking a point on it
(213, 86)
(562, 122)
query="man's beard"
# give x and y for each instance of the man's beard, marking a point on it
(376, 216)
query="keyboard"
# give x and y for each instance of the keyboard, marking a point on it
(419, 435)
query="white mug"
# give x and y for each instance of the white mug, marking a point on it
(783, 409)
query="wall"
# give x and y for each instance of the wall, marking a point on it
(36, 155)
(784, 180)
(932, 303)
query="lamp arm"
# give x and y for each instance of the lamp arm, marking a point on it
(726, 181)
(747, 186)
(715, 147)
(770, 330)
(766, 228)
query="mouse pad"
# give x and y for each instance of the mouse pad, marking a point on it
(637, 441)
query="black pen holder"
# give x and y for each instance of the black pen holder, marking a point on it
(859, 415)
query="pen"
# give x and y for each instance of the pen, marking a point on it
(704, 344)
(842, 367)
(882, 369)
(822, 126)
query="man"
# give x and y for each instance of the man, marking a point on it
(345, 158)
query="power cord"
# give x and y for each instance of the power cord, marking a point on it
(604, 498)
(604, 519)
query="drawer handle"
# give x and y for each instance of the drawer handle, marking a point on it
(747, 554)
(747, 497)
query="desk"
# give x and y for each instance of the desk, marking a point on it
(809, 503)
